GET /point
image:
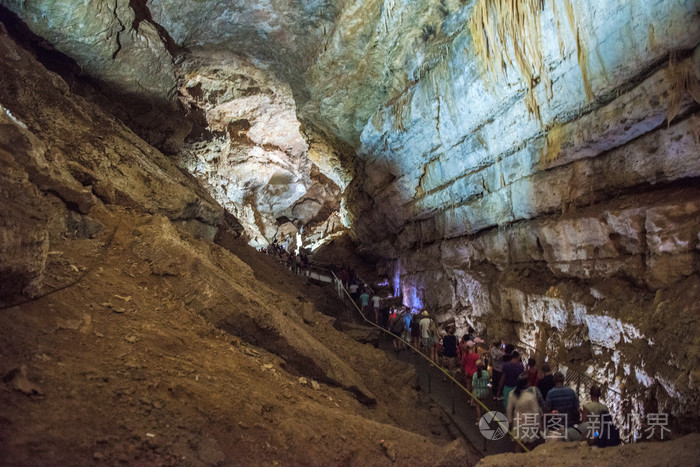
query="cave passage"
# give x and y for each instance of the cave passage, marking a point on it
(525, 174)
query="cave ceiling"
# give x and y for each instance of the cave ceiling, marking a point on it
(317, 108)
(528, 167)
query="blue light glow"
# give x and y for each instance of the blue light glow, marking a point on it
(412, 298)
(397, 281)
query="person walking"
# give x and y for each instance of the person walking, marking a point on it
(354, 291)
(594, 408)
(448, 360)
(547, 381)
(533, 373)
(496, 366)
(524, 413)
(416, 331)
(509, 378)
(406, 334)
(396, 328)
(364, 302)
(435, 339)
(480, 387)
(375, 305)
(563, 400)
(425, 332)
(469, 366)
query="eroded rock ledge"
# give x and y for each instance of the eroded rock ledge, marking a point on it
(130, 337)
(558, 205)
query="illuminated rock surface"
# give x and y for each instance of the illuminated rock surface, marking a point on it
(128, 336)
(555, 202)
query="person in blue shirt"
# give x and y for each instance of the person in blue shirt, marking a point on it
(364, 301)
(563, 400)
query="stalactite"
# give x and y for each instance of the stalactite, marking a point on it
(581, 54)
(507, 33)
(558, 23)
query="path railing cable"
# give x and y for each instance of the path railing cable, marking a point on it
(100, 260)
(619, 405)
(346, 295)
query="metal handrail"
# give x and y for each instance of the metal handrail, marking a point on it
(612, 398)
(346, 294)
(327, 266)
(571, 369)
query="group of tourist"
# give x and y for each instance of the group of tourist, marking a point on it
(366, 300)
(296, 262)
(527, 392)
(531, 394)
(415, 328)
(346, 274)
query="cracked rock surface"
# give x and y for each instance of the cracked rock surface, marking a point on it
(556, 207)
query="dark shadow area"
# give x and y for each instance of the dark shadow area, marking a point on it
(161, 124)
(142, 13)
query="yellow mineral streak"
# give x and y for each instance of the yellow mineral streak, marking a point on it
(684, 80)
(555, 136)
(401, 110)
(507, 33)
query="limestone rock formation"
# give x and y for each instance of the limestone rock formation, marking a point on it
(249, 150)
(529, 168)
(129, 336)
(25, 243)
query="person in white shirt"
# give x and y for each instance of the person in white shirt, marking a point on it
(375, 304)
(496, 364)
(353, 289)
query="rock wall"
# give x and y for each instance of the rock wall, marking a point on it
(249, 150)
(52, 183)
(116, 57)
(574, 230)
(210, 97)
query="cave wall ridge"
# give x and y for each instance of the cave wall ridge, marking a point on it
(575, 232)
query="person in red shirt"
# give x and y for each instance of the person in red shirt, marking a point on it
(533, 373)
(469, 364)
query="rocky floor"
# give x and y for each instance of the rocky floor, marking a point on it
(123, 366)
(683, 451)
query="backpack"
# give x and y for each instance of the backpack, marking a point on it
(397, 325)
(609, 434)
(432, 332)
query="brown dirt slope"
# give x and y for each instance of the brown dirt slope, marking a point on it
(133, 339)
(682, 452)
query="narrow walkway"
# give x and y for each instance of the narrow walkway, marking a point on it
(446, 394)
(453, 401)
